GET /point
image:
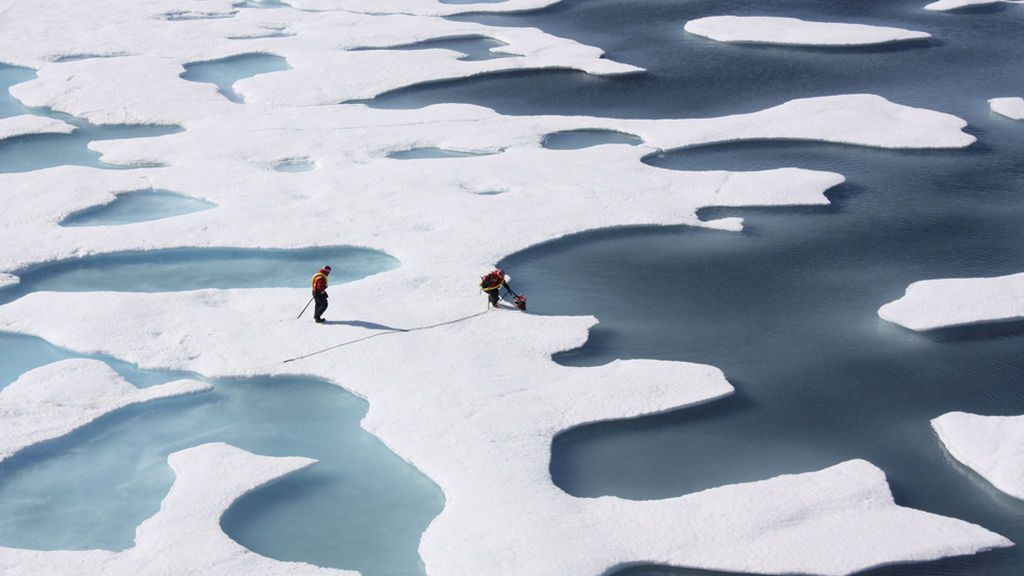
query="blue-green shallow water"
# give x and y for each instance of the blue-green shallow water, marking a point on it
(361, 507)
(198, 268)
(138, 206)
(37, 151)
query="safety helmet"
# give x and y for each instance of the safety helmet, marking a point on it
(326, 269)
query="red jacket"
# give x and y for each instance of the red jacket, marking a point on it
(319, 281)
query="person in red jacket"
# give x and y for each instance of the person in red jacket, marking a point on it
(319, 283)
(492, 283)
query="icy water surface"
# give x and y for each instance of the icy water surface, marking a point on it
(226, 71)
(120, 474)
(37, 151)
(198, 268)
(139, 206)
(576, 139)
(435, 153)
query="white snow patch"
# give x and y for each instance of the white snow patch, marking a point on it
(992, 446)
(52, 401)
(28, 124)
(1012, 108)
(945, 5)
(931, 304)
(185, 536)
(796, 32)
(7, 280)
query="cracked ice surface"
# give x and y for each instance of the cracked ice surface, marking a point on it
(931, 304)
(992, 446)
(796, 32)
(184, 537)
(475, 404)
(53, 400)
(28, 124)
(1012, 108)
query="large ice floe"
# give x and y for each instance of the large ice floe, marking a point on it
(1012, 108)
(931, 304)
(992, 446)
(796, 32)
(471, 399)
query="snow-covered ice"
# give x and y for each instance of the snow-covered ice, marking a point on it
(28, 124)
(944, 5)
(931, 304)
(1012, 108)
(478, 421)
(8, 280)
(992, 446)
(185, 536)
(54, 400)
(796, 32)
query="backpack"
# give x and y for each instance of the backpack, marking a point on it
(492, 279)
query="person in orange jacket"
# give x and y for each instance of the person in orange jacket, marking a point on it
(319, 284)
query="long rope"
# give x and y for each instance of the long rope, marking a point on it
(392, 331)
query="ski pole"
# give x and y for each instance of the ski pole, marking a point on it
(304, 308)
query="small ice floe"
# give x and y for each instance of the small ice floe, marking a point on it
(946, 5)
(54, 400)
(932, 304)
(992, 446)
(796, 32)
(29, 124)
(1012, 108)
(185, 536)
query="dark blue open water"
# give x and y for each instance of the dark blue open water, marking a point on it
(788, 308)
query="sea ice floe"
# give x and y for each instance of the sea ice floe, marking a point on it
(931, 304)
(944, 5)
(492, 410)
(992, 446)
(51, 401)
(474, 403)
(28, 124)
(796, 32)
(185, 536)
(1012, 108)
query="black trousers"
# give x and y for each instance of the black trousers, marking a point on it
(321, 304)
(494, 296)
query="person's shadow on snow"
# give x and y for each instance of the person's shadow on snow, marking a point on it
(362, 324)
